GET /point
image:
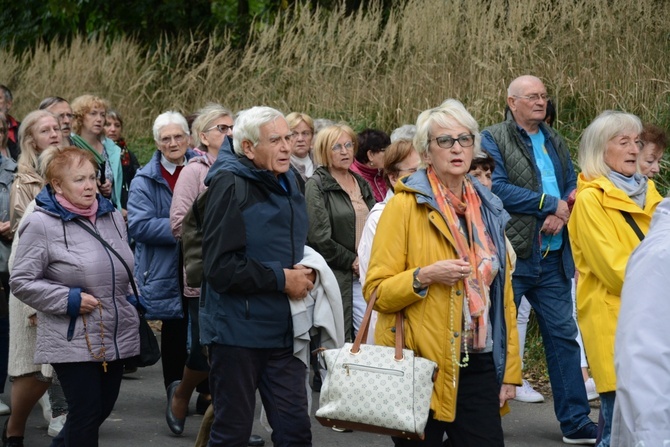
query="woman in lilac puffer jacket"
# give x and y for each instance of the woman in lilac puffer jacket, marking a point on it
(86, 324)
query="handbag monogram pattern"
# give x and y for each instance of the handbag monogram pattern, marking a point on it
(377, 389)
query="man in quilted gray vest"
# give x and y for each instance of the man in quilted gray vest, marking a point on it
(534, 177)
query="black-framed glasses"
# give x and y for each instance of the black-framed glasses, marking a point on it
(535, 97)
(223, 128)
(347, 146)
(447, 141)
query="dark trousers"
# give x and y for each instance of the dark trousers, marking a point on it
(236, 374)
(477, 422)
(174, 349)
(4, 329)
(91, 394)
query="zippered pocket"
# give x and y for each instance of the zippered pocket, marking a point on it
(371, 369)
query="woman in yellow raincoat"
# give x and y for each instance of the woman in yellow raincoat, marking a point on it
(611, 214)
(439, 256)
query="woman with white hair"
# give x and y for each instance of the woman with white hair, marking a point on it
(610, 217)
(439, 257)
(156, 249)
(213, 124)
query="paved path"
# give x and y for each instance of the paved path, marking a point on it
(138, 421)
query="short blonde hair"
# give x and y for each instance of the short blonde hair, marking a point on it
(294, 118)
(593, 144)
(327, 138)
(82, 105)
(206, 116)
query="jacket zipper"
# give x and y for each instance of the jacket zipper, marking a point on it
(116, 310)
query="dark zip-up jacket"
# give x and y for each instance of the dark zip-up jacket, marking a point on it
(246, 246)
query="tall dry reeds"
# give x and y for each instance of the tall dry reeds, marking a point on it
(592, 54)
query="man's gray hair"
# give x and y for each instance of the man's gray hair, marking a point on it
(167, 118)
(248, 125)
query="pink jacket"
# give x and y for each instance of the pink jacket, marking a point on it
(374, 176)
(190, 184)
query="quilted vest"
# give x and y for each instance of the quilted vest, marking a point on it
(521, 171)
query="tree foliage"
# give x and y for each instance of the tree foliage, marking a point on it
(25, 23)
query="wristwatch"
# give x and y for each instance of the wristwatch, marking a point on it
(416, 284)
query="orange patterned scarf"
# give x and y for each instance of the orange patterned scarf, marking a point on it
(476, 248)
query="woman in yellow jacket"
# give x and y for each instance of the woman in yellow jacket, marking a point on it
(439, 256)
(611, 214)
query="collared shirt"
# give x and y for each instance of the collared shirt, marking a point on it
(169, 166)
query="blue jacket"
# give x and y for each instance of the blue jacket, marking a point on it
(156, 249)
(520, 200)
(246, 246)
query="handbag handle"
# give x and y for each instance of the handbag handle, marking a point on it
(365, 326)
(140, 308)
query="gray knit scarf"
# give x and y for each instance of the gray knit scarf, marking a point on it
(635, 187)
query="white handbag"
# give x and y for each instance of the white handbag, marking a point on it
(377, 389)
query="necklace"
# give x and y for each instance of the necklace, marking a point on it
(466, 358)
(101, 354)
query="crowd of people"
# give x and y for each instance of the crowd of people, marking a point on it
(304, 220)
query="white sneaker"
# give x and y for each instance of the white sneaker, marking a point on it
(56, 425)
(4, 408)
(46, 407)
(526, 393)
(591, 392)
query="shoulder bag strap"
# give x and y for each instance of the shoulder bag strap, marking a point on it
(139, 306)
(365, 325)
(633, 224)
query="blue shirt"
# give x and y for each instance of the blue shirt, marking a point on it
(549, 185)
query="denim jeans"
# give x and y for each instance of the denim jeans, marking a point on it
(549, 295)
(607, 412)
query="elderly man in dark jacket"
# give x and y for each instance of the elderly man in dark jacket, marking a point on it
(252, 242)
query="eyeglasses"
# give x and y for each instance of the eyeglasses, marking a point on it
(346, 146)
(534, 97)
(306, 134)
(223, 128)
(447, 141)
(178, 139)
